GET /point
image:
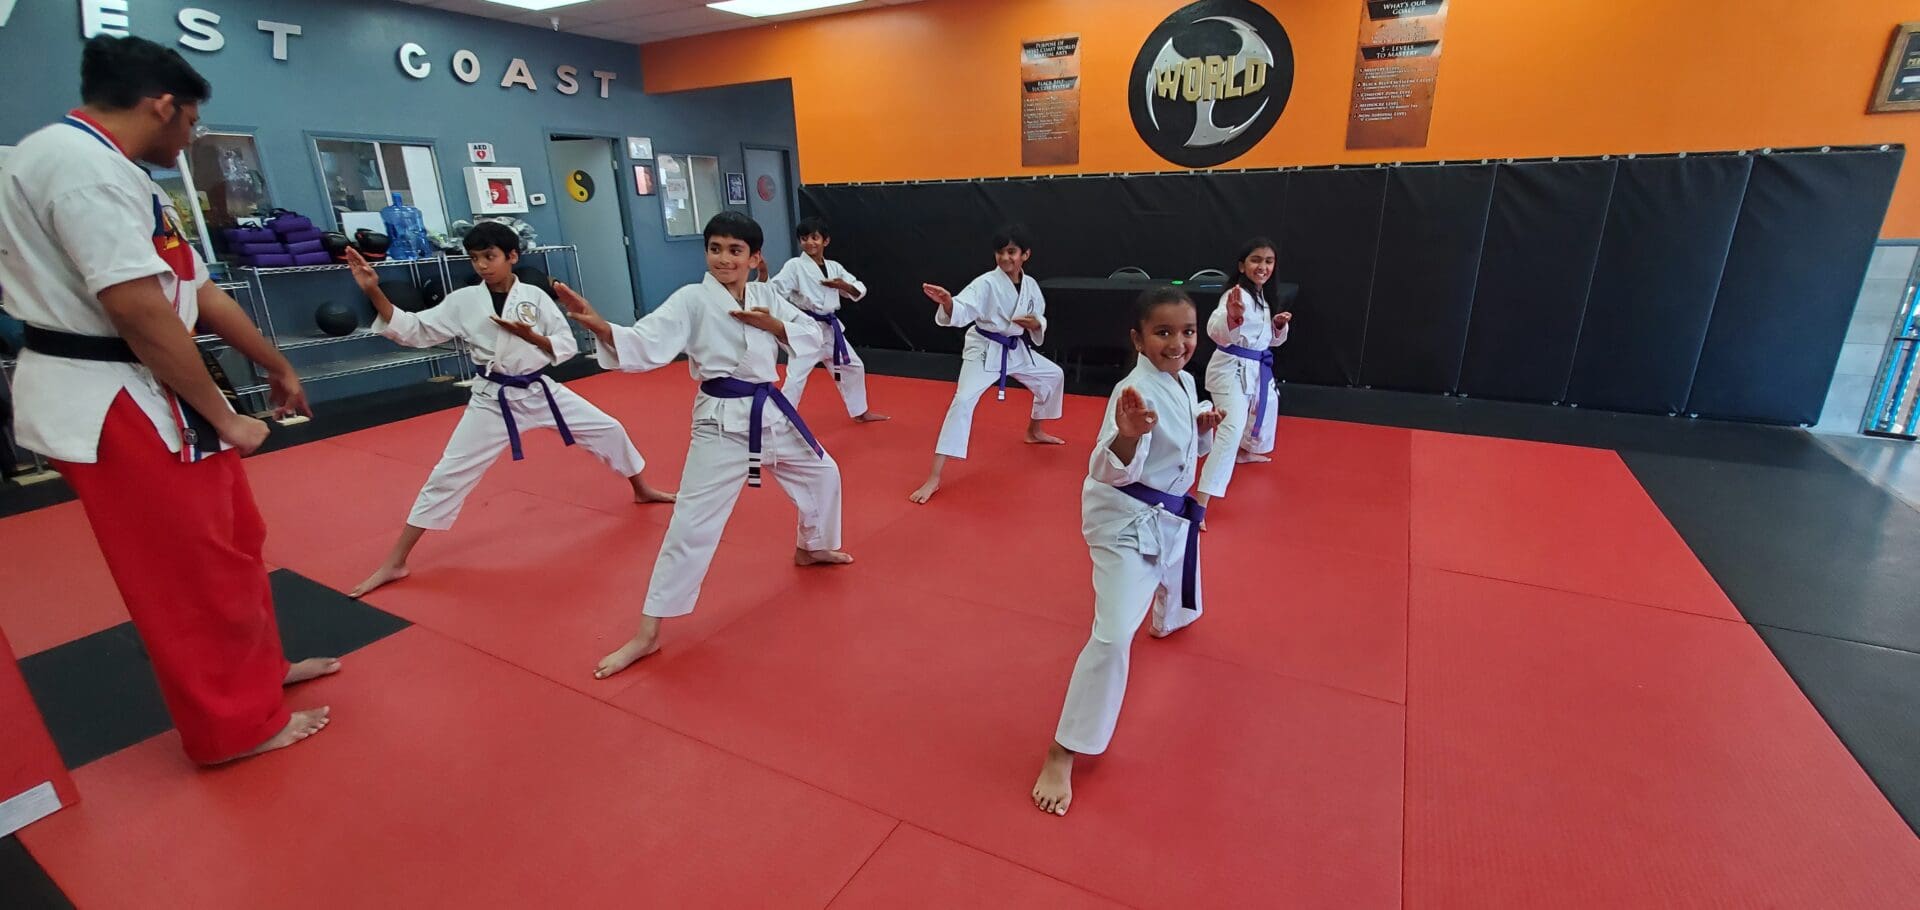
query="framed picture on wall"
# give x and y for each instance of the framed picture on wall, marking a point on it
(1899, 88)
(642, 180)
(639, 148)
(736, 189)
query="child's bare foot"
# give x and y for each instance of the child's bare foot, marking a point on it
(1053, 792)
(1039, 437)
(629, 653)
(871, 417)
(384, 575)
(820, 557)
(925, 492)
(1245, 457)
(300, 726)
(312, 668)
(646, 494)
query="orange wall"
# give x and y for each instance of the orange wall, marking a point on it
(931, 89)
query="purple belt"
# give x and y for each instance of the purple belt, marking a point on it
(1265, 360)
(840, 355)
(760, 392)
(1190, 509)
(1007, 343)
(506, 413)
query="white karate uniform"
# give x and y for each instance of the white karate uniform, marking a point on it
(1234, 383)
(78, 217)
(800, 282)
(991, 302)
(481, 435)
(1138, 550)
(696, 321)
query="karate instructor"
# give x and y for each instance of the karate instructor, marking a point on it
(112, 389)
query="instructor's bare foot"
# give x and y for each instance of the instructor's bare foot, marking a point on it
(300, 726)
(1053, 792)
(1041, 437)
(925, 492)
(820, 557)
(312, 668)
(384, 575)
(1250, 458)
(871, 417)
(629, 653)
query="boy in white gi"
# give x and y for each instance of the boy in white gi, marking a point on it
(1240, 373)
(516, 333)
(817, 285)
(731, 330)
(1008, 318)
(1141, 529)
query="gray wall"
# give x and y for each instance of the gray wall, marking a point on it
(343, 78)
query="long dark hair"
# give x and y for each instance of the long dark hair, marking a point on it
(1240, 278)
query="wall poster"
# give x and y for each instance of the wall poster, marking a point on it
(1050, 101)
(1394, 72)
(1899, 88)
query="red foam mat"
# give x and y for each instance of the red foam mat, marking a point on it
(1568, 751)
(1224, 786)
(1556, 516)
(925, 871)
(54, 584)
(450, 779)
(1435, 670)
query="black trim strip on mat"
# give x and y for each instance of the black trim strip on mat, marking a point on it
(98, 694)
(24, 885)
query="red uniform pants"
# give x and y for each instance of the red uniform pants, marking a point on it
(183, 543)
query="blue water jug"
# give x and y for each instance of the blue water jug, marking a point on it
(407, 230)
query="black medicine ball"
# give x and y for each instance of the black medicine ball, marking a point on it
(336, 319)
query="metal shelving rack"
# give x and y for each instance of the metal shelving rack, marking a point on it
(437, 359)
(40, 469)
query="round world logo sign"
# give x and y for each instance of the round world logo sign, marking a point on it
(1210, 82)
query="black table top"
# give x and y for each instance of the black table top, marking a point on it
(1204, 285)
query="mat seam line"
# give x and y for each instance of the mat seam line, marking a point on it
(882, 845)
(690, 737)
(1740, 620)
(1406, 692)
(1210, 658)
(1842, 639)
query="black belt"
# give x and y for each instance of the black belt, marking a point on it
(197, 431)
(55, 343)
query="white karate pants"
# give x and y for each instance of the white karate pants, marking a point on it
(716, 473)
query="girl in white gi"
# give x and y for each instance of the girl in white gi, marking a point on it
(730, 329)
(1140, 528)
(1009, 319)
(1240, 373)
(817, 285)
(516, 333)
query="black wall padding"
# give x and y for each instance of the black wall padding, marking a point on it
(1668, 229)
(1543, 237)
(1328, 233)
(1428, 259)
(894, 238)
(1617, 284)
(1799, 256)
